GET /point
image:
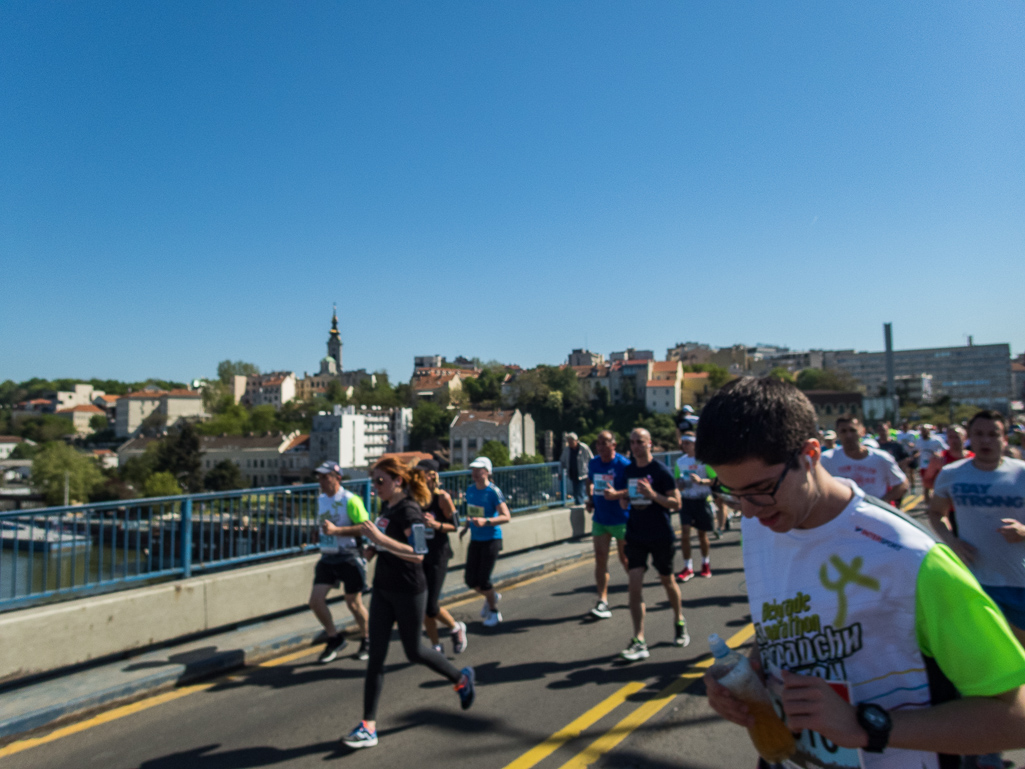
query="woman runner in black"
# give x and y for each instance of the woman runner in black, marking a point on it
(400, 592)
(440, 518)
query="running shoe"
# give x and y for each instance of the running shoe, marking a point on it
(493, 618)
(485, 610)
(438, 649)
(331, 649)
(686, 575)
(706, 570)
(459, 639)
(361, 737)
(364, 650)
(637, 650)
(465, 689)
(682, 636)
(602, 610)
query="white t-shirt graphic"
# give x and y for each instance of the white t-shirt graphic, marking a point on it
(876, 474)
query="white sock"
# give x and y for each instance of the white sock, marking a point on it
(689, 564)
(705, 561)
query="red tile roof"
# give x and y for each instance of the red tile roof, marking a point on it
(296, 441)
(492, 417)
(103, 452)
(10, 439)
(661, 383)
(695, 375)
(665, 366)
(88, 409)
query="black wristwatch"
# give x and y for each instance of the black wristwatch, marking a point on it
(877, 722)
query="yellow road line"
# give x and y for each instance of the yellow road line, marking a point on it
(160, 699)
(619, 732)
(911, 502)
(103, 718)
(574, 728)
(626, 727)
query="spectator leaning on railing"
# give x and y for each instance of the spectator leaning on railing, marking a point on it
(574, 460)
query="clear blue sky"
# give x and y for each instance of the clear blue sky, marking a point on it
(186, 182)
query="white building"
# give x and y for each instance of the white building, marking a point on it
(80, 417)
(81, 395)
(166, 407)
(357, 438)
(662, 396)
(470, 430)
(274, 389)
(7, 444)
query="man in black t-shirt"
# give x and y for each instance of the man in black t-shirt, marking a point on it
(649, 531)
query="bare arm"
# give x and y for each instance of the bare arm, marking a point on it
(384, 542)
(896, 492)
(939, 511)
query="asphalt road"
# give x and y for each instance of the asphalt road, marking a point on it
(547, 667)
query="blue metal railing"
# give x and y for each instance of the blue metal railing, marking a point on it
(57, 553)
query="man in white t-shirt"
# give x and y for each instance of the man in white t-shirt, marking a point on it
(873, 470)
(926, 446)
(866, 627)
(987, 493)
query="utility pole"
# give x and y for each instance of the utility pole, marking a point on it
(891, 383)
(67, 488)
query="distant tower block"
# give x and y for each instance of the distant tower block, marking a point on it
(334, 340)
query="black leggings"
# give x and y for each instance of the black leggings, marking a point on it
(386, 609)
(435, 571)
(480, 562)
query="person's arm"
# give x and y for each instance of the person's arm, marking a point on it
(978, 653)
(504, 516)
(357, 514)
(384, 542)
(938, 512)
(670, 500)
(448, 510)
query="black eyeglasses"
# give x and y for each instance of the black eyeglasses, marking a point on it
(758, 498)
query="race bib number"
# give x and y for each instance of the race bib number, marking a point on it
(813, 750)
(382, 525)
(602, 482)
(635, 495)
(475, 511)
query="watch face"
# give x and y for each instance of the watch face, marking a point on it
(875, 718)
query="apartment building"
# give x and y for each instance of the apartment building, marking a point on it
(470, 430)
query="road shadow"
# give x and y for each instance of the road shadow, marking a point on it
(239, 758)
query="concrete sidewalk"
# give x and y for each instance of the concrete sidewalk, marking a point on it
(49, 702)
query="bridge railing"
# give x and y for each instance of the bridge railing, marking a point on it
(56, 553)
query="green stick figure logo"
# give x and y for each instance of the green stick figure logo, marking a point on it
(848, 574)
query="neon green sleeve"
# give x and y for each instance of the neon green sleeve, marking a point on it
(960, 627)
(710, 472)
(357, 513)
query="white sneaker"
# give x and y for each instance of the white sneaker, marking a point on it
(493, 618)
(485, 609)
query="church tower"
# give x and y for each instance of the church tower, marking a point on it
(334, 341)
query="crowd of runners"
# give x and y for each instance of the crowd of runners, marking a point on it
(947, 603)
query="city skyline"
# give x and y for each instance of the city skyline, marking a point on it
(184, 184)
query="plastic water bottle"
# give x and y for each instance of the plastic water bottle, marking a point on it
(771, 737)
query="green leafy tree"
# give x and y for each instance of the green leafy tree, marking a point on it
(485, 390)
(429, 421)
(136, 470)
(782, 373)
(224, 476)
(25, 450)
(717, 375)
(97, 422)
(826, 379)
(662, 429)
(45, 428)
(180, 456)
(57, 461)
(497, 452)
(161, 484)
(529, 459)
(228, 369)
(335, 393)
(263, 419)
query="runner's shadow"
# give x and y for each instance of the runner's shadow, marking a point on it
(240, 758)
(613, 588)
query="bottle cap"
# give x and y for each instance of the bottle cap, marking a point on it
(718, 646)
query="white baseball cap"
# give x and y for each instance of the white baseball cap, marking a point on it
(482, 462)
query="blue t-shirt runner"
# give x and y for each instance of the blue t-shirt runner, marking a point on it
(483, 503)
(608, 514)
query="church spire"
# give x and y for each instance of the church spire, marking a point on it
(334, 339)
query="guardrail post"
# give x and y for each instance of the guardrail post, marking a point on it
(186, 538)
(562, 483)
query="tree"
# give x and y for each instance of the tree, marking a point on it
(136, 470)
(161, 484)
(486, 389)
(717, 375)
(228, 369)
(25, 450)
(335, 393)
(224, 476)
(497, 452)
(45, 428)
(782, 373)
(180, 456)
(97, 422)
(57, 461)
(826, 379)
(429, 421)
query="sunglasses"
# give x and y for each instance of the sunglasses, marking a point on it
(379, 480)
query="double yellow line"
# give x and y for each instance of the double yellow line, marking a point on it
(610, 739)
